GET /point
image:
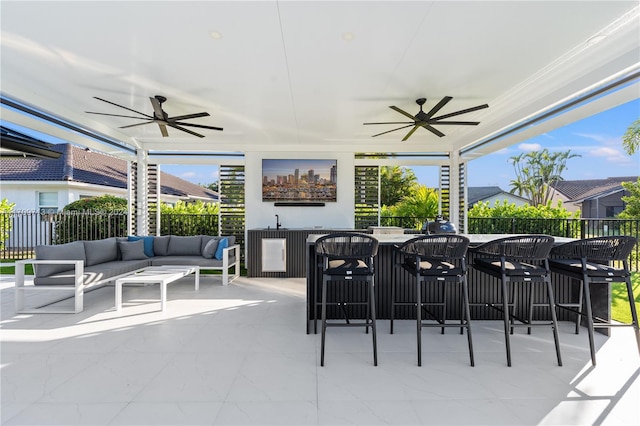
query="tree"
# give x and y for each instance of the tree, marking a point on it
(536, 173)
(212, 186)
(395, 183)
(421, 203)
(91, 219)
(632, 201)
(631, 138)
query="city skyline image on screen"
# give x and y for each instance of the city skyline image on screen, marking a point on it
(299, 180)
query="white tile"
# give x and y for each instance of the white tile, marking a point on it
(168, 413)
(66, 414)
(239, 354)
(268, 413)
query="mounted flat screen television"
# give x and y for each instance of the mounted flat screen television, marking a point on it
(299, 181)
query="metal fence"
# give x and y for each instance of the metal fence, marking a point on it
(20, 232)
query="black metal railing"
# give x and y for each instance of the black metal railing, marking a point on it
(21, 231)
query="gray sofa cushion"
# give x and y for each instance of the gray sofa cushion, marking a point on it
(69, 251)
(209, 248)
(161, 245)
(95, 273)
(148, 243)
(132, 250)
(185, 246)
(188, 260)
(100, 251)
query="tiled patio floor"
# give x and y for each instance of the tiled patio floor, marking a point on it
(239, 355)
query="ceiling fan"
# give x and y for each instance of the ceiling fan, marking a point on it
(427, 120)
(160, 117)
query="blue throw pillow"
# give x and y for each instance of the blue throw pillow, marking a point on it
(148, 244)
(222, 244)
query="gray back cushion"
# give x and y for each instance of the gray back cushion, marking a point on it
(101, 251)
(69, 251)
(209, 246)
(161, 245)
(185, 246)
(132, 250)
(231, 239)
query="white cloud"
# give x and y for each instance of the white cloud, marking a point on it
(601, 138)
(528, 147)
(188, 175)
(611, 155)
(605, 152)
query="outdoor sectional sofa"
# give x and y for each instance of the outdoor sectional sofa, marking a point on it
(82, 265)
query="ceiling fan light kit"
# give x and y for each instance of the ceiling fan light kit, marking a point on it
(160, 117)
(427, 119)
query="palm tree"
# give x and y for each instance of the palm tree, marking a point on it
(537, 172)
(631, 138)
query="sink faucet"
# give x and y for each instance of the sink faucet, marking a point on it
(278, 224)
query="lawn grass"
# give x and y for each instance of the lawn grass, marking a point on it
(620, 310)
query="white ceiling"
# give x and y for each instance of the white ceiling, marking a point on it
(282, 77)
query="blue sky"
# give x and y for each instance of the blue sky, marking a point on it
(597, 139)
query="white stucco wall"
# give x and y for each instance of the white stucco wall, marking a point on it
(24, 194)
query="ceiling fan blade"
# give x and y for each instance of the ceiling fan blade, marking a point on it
(114, 115)
(120, 106)
(464, 111)
(433, 130)
(405, 113)
(157, 108)
(163, 130)
(410, 132)
(136, 124)
(457, 123)
(201, 126)
(389, 131)
(439, 106)
(185, 130)
(393, 122)
(184, 117)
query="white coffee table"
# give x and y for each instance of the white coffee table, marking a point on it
(162, 275)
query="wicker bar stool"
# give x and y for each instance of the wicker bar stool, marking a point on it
(434, 260)
(519, 259)
(588, 261)
(347, 258)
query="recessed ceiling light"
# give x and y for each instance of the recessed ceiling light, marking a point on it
(348, 36)
(216, 35)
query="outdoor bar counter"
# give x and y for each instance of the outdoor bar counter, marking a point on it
(482, 288)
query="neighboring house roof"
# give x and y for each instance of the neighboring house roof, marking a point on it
(580, 190)
(83, 165)
(481, 193)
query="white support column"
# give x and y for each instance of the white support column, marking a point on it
(142, 207)
(130, 195)
(465, 198)
(454, 190)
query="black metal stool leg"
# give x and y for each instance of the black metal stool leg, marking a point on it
(507, 319)
(554, 319)
(589, 315)
(419, 318)
(467, 315)
(372, 302)
(393, 301)
(444, 305)
(325, 283)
